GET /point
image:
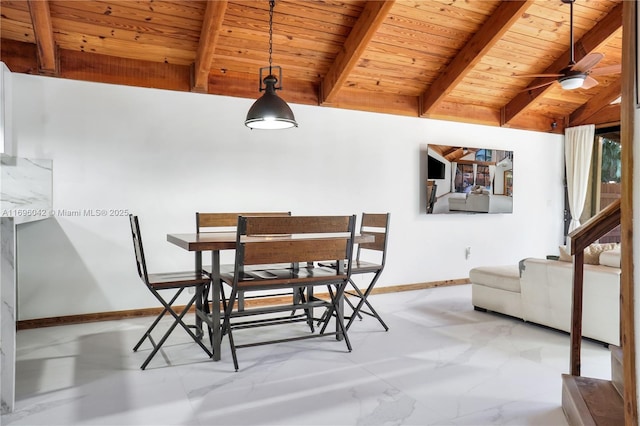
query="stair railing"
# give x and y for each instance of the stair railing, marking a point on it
(606, 220)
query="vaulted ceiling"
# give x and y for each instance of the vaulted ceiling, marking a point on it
(459, 60)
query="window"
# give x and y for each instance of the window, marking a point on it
(604, 180)
(609, 188)
(464, 178)
(483, 177)
(611, 164)
(483, 155)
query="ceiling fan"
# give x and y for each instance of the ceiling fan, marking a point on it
(576, 75)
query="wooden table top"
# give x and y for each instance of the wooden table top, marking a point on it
(206, 241)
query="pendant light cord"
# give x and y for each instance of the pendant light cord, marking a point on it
(272, 3)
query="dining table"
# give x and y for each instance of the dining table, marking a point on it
(215, 242)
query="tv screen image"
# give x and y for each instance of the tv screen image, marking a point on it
(435, 168)
(468, 180)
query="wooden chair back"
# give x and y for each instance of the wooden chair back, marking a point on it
(276, 240)
(284, 247)
(376, 224)
(227, 220)
(138, 249)
(176, 282)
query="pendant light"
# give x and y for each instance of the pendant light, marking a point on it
(270, 111)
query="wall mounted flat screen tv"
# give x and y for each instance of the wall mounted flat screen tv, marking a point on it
(463, 180)
(435, 168)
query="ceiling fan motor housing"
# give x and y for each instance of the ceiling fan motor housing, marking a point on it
(572, 79)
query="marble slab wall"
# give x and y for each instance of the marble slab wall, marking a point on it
(7, 314)
(26, 187)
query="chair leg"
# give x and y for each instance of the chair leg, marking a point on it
(299, 297)
(333, 310)
(177, 320)
(158, 318)
(364, 301)
(147, 334)
(206, 309)
(328, 313)
(309, 311)
(335, 300)
(201, 302)
(353, 308)
(226, 326)
(348, 302)
(240, 301)
(233, 350)
(208, 313)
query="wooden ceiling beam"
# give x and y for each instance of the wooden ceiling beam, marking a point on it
(466, 113)
(490, 33)
(87, 66)
(383, 103)
(211, 25)
(19, 56)
(539, 122)
(587, 44)
(584, 114)
(372, 16)
(43, 31)
(608, 116)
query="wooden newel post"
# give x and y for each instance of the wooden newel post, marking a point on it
(576, 312)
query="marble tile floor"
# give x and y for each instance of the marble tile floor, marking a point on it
(441, 363)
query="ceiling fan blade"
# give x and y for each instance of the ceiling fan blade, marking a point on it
(538, 75)
(588, 62)
(612, 69)
(589, 82)
(538, 86)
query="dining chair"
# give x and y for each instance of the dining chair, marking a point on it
(263, 242)
(377, 225)
(228, 221)
(431, 195)
(173, 283)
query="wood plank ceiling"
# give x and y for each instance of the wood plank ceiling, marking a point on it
(444, 59)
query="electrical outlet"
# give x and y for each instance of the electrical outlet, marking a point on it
(467, 253)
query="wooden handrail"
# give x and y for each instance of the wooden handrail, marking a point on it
(607, 219)
(594, 228)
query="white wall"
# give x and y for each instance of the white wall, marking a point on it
(165, 155)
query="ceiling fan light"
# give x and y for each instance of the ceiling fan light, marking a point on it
(572, 82)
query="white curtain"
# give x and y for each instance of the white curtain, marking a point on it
(578, 146)
(492, 174)
(454, 169)
(475, 173)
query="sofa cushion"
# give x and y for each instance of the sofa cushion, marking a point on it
(591, 253)
(505, 277)
(565, 256)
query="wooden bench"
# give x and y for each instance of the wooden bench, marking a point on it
(265, 241)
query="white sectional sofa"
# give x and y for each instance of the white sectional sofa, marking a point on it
(540, 291)
(477, 200)
(471, 203)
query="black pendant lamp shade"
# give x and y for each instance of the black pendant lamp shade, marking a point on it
(270, 111)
